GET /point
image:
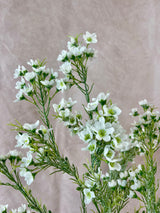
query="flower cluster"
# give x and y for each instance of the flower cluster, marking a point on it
(21, 209)
(110, 185)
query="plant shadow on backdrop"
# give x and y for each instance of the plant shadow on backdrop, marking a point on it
(102, 134)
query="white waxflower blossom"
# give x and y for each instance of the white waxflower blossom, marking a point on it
(44, 131)
(102, 96)
(108, 153)
(18, 71)
(77, 51)
(89, 195)
(3, 157)
(14, 153)
(136, 185)
(26, 160)
(3, 208)
(27, 90)
(85, 135)
(54, 75)
(131, 194)
(48, 83)
(65, 113)
(112, 111)
(31, 126)
(30, 76)
(27, 175)
(22, 208)
(20, 84)
(39, 69)
(62, 56)
(92, 106)
(143, 102)
(32, 62)
(72, 120)
(22, 140)
(90, 38)
(123, 174)
(65, 68)
(134, 112)
(112, 183)
(90, 52)
(89, 183)
(60, 85)
(113, 165)
(103, 130)
(71, 43)
(91, 147)
(122, 182)
(132, 174)
(19, 96)
(139, 168)
(122, 146)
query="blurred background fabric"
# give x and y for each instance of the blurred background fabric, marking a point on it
(127, 65)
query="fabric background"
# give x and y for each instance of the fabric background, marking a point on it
(127, 65)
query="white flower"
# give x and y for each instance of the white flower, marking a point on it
(108, 153)
(111, 111)
(62, 56)
(66, 67)
(112, 183)
(22, 140)
(28, 90)
(89, 183)
(27, 175)
(139, 168)
(123, 174)
(113, 165)
(122, 146)
(3, 208)
(32, 62)
(31, 126)
(132, 174)
(19, 96)
(14, 153)
(102, 96)
(65, 113)
(85, 135)
(103, 130)
(48, 83)
(90, 38)
(136, 185)
(20, 84)
(60, 85)
(91, 147)
(44, 131)
(18, 71)
(26, 160)
(122, 182)
(30, 76)
(39, 69)
(89, 195)
(134, 112)
(90, 52)
(22, 208)
(71, 43)
(92, 106)
(54, 75)
(143, 102)
(131, 194)
(77, 51)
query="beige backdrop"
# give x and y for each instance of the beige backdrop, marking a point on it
(127, 64)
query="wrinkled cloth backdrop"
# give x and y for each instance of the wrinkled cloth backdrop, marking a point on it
(127, 65)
